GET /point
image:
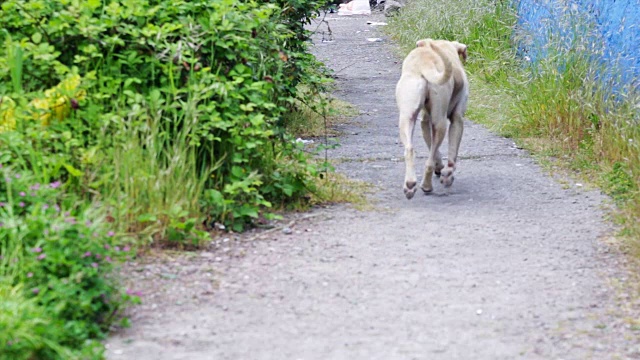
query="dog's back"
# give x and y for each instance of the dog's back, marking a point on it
(433, 83)
(429, 62)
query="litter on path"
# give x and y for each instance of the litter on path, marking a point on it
(355, 7)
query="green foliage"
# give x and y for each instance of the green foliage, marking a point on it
(621, 185)
(157, 118)
(27, 331)
(227, 71)
(60, 254)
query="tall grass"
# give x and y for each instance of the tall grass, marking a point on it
(569, 101)
(155, 180)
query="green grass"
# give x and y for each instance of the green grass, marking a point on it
(567, 118)
(154, 183)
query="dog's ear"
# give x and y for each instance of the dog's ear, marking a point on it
(423, 43)
(462, 50)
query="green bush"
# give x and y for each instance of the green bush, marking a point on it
(61, 255)
(144, 118)
(147, 119)
(228, 71)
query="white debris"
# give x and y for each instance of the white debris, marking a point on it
(300, 140)
(355, 7)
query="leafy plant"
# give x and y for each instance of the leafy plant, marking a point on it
(61, 255)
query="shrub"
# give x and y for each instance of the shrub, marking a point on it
(61, 255)
(227, 71)
(146, 118)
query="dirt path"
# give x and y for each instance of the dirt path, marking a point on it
(508, 266)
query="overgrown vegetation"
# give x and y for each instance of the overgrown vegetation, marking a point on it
(561, 105)
(136, 123)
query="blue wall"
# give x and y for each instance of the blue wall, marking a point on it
(611, 34)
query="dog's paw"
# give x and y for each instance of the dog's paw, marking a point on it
(446, 178)
(409, 189)
(447, 181)
(438, 170)
(426, 187)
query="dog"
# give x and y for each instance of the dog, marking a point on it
(433, 87)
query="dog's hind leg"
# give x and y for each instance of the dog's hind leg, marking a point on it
(438, 131)
(455, 136)
(409, 95)
(426, 134)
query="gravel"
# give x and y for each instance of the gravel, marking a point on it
(512, 263)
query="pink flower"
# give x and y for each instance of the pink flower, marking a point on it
(23, 194)
(116, 248)
(41, 256)
(35, 187)
(87, 254)
(107, 246)
(55, 185)
(1, 204)
(107, 258)
(17, 176)
(98, 256)
(45, 206)
(134, 292)
(110, 233)
(126, 248)
(88, 223)
(36, 291)
(37, 249)
(30, 275)
(21, 204)
(95, 265)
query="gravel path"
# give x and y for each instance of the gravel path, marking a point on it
(509, 265)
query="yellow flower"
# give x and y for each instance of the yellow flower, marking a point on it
(7, 114)
(56, 104)
(57, 101)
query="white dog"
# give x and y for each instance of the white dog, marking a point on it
(434, 87)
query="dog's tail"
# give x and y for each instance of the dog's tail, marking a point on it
(448, 66)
